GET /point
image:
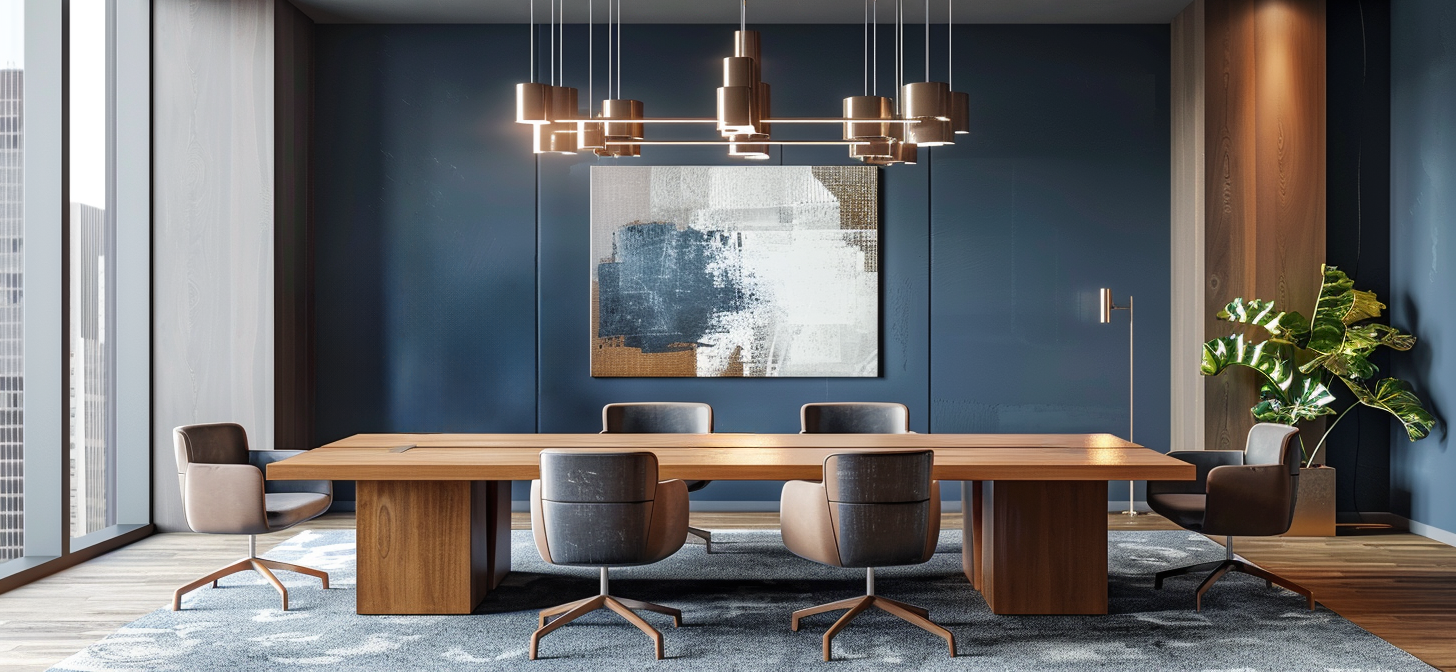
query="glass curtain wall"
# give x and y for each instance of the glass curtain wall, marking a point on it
(92, 208)
(12, 195)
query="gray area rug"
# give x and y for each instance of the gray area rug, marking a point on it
(736, 604)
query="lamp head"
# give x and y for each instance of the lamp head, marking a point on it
(1104, 315)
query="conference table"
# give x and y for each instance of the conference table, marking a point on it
(434, 527)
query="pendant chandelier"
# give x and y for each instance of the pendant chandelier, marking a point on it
(878, 130)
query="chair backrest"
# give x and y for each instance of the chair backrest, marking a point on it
(212, 443)
(668, 417)
(1272, 443)
(880, 505)
(597, 507)
(858, 417)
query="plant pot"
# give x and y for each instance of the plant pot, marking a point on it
(1314, 509)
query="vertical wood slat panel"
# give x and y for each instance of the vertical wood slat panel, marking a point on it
(293, 241)
(1265, 134)
(212, 226)
(1189, 229)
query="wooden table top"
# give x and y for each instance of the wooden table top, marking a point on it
(730, 457)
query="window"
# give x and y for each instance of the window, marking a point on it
(91, 443)
(12, 196)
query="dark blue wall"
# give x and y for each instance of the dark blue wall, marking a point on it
(1423, 248)
(452, 288)
(1357, 228)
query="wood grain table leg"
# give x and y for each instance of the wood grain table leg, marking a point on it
(971, 532)
(1044, 547)
(430, 547)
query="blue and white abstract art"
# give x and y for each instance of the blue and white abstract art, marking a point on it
(714, 271)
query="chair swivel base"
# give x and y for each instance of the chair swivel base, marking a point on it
(705, 535)
(857, 605)
(1220, 568)
(573, 610)
(258, 565)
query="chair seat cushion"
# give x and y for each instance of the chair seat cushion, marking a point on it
(286, 509)
(1186, 510)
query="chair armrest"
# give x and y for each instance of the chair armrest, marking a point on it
(1249, 500)
(262, 458)
(804, 519)
(669, 519)
(1204, 461)
(225, 499)
(932, 528)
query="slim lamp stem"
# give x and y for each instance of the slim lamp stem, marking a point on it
(1131, 485)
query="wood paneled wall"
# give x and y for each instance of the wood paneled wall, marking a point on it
(1188, 275)
(212, 227)
(293, 236)
(1264, 181)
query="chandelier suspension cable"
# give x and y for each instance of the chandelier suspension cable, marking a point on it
(927, 40)
(532, 27)
(619, 48)
(561, 25)
(875, 43)
(950, 44)
(552, 29)
(867, 47)
(590, 70)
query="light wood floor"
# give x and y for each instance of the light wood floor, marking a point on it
(1401, 587)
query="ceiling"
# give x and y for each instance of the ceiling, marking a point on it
(726, 11)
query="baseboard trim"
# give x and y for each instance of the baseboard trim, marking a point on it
(1430, 531)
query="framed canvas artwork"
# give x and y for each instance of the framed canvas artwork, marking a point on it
(729, 271)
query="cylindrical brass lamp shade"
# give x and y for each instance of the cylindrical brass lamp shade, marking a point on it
(590, 136)
(738, 71)
(735, 110)
(925, 99)
(930, 132)
(747, 44)
(960, 112)
(563, 103)
(1104, 312)
(867, 107)
(760, 99)
(621, 110)
(533, 103)
(871, 148)
(561, 142)
(905, 152)
(748, 146)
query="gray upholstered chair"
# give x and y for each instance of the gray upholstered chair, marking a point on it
(663, 417)
(224, 492)
(1245, 493)
(854, 417)
(593, 509)
(872, 510)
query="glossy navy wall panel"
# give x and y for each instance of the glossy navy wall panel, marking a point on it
(393, 99)
(1063, 188)
(1423, 250)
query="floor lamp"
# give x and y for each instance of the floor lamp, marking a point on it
(1105, 317)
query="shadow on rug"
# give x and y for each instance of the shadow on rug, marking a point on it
(736, 604)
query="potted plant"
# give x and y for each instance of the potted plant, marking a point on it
(1301, 360)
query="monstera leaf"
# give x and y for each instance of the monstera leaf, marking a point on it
(1343, 348)
(1285, 327)
(1307, 399)
(1395, 397)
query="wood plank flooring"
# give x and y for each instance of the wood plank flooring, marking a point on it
(1401, 587)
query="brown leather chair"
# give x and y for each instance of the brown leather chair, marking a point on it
(1244, 493)
(871, 510)
(663, 417)
(854, 417)
(592, 509)
(224, 492)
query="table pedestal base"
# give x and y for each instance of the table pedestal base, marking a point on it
(1037, 547)
(431, 547)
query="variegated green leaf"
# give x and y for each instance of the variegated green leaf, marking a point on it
(1307, 399)
(1367, 337)
(1395, 397)
(1287, 327)
(1266, 357)
(1343, 348)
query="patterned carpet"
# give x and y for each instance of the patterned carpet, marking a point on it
(736, 606)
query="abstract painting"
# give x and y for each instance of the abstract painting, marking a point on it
(719, 271)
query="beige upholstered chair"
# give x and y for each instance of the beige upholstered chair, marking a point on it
(1245, 493)
(592, 509)
(872, 510)
(854, 417)
(224, 492)
(663, 417)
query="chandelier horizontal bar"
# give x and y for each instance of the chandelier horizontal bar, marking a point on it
(840, 143)
(785, 120)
